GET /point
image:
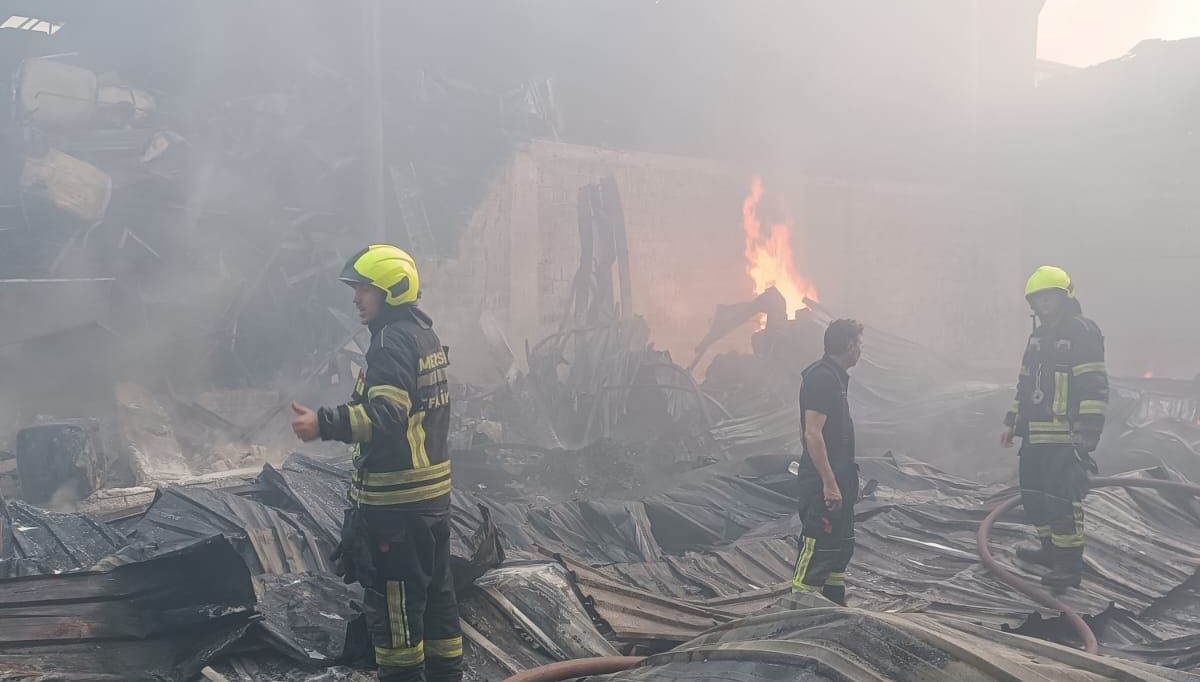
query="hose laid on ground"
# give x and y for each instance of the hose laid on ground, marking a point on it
(579, 667)
(1042, 596)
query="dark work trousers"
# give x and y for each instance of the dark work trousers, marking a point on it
(1053, 484)
(826, 539)
(410, 607)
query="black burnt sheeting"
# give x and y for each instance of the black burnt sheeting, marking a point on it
(159, 619)
(270, 541)
(316, 490)
(313, 618)
(34, 541)
(916, 553)
(704, 549)
(198, 573)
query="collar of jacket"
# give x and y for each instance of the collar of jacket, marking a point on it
(392, 314)
(1074, 311)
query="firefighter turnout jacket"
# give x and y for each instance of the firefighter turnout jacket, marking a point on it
(399, 417)
(1062, 390)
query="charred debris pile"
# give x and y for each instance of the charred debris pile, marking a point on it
(599, 510)
(606, 500)
(607, 503)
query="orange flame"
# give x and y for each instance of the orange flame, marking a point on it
(769, 255)
(1148, 375)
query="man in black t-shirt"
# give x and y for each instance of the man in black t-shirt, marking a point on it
(828, 474)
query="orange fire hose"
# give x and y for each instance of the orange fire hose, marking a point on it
(1042, 596)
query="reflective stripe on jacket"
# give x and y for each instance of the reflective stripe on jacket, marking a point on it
(1062, 389)
(399, 416)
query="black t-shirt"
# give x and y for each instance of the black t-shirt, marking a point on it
(824, 391)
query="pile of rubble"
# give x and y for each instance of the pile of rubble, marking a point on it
(606, 501)
(621, 545)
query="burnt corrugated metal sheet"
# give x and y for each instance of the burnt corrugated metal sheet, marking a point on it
(540, 600)
(34, 541)
(159, 619)
(317, 490)
(916, 552)
(831, 643)
(270, 540)
(634, 614)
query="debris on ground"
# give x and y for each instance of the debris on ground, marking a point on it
(173, 233)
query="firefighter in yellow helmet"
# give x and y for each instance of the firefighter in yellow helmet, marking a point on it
(396, 536)
(1058, 414)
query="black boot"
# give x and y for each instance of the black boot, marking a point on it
(835, 594)
(1042, 553)
(1068, 568)
(443, 669)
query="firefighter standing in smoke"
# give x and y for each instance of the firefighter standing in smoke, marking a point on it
(828, 473)
(1058, 413)
(396, 537)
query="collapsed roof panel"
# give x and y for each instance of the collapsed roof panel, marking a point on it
(542, 600)
(159, 619)
(317, 490)
(916, 552)
(814, 643)
(34, 541)
(269, 540)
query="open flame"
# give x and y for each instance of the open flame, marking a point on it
(769, 255)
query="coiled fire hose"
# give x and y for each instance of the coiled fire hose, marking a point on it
(1042, 596)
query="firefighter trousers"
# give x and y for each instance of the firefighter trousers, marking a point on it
(410, 606)
(1053, 485)
(826, 541)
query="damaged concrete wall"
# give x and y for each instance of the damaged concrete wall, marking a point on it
(935, 264)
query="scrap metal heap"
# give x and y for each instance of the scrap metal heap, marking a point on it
(606, 502)
(622, 546)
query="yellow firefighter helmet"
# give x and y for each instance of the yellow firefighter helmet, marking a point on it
(386, 267)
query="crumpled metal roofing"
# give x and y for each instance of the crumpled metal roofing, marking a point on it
(716, 545)
(803, 641)
(137, 589)
(159, 619)
(35, 541)
(270, 540)
(915, 553)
